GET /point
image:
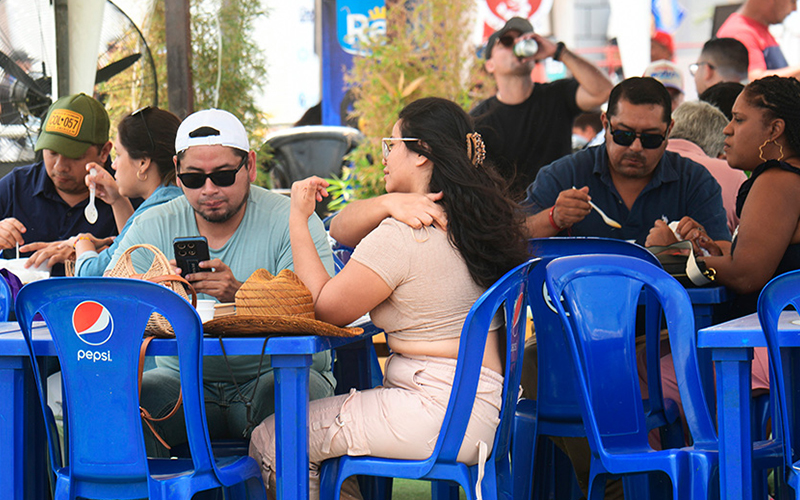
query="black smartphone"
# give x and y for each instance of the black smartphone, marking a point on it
(190, 251)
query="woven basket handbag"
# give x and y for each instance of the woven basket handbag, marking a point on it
(160, 271)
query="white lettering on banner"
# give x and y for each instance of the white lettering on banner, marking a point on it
(360, 28)
(357, 25)
(94, 356)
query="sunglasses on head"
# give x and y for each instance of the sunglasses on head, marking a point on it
(626, 138)
(141, 112)
(221, 178)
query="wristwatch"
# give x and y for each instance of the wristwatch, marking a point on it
(559, 49)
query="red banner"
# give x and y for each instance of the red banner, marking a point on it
(496, 12)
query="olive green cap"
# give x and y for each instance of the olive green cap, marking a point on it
(74, 123)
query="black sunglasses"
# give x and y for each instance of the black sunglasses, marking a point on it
(221, 178)
(506, 40)
(626, 138)
(140, 112)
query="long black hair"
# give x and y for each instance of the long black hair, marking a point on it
(150, 133)
(483, 222)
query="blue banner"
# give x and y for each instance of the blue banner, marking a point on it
(667, 14)
(346, 24)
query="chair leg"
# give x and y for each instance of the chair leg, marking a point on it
(636, 485)
(672, 435)
(565, 481)
(523, 449)
(597, 487)
(375, 487)
(255, 489)
(329, 471)
(63, 489)
(545, 471)
(444, 490)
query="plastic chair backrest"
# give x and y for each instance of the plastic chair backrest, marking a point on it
(561, 246)
(510, 289)
(781, 292)
(557, 394)
(97, 325)
(600, 293)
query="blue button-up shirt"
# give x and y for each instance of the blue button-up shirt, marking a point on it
(28, 195)
(679, 187)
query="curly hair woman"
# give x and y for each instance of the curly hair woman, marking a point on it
(763, 136)
(418, 281)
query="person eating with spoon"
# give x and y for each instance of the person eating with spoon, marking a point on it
(637, 185)
(631, 180)
(43, 204)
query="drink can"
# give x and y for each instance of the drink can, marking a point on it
(526, 48)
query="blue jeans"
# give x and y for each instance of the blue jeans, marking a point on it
(226, 412)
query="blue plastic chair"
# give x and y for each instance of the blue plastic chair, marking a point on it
(556, 411)
(368, 373)
(341, 253)
(601, 293)
(442, 466)
(97, 325)
(780, 293)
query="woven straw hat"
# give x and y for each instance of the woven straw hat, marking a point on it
(274, 304)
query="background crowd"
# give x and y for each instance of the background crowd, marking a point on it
(464, 192)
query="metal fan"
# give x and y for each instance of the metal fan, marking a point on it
(125, 79)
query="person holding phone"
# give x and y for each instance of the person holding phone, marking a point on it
(145, 145)
(246, 228)
(190, 252)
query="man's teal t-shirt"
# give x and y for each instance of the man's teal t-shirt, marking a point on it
(260, 241)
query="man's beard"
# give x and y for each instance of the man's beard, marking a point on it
(225, 216)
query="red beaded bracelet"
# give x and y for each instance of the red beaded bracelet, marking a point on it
(553, 221)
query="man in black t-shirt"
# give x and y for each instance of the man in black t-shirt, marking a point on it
(526, 125)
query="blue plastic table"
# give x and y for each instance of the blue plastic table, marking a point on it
(710, 305)
(731, 344)
(22, 456)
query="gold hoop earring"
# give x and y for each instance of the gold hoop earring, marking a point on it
(761, 151)
(140, 177)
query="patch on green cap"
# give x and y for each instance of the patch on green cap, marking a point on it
(73, 123)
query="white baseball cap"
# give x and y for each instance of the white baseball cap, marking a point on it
(210, 127)
(667, 73)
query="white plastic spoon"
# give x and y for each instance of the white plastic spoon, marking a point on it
(608, 220)
(90, 212)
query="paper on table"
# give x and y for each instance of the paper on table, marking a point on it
(25, 275)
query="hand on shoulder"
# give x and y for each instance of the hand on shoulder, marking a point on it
(416, 210)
